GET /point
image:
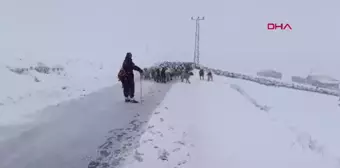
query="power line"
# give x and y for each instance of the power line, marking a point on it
(197, 40)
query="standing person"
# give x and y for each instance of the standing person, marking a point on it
(210, 77)
(158, 75)
(201, 73)
(128, 79)
(163, 75)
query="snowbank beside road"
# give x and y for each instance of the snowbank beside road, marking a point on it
(270, 74)
(311, 117)
(218, 124)
(270, 82)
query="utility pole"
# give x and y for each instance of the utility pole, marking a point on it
(197, 40)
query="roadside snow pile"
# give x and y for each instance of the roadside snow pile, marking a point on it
(270, 74)
(27, 88)
(323, 81)
(288, 108)
(274, 83)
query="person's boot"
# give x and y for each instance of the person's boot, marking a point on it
(132, 100)
(127, 99)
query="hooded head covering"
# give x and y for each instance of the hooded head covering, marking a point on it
(128, 55)
(128, 59)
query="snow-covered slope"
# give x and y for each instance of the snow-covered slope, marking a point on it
(23, 94)
(235, 123)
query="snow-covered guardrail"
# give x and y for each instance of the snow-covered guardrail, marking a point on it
(273, 83)
(258, 80)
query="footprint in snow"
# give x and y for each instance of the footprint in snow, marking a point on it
(171, 128)
(180, 142)
(176, 150)
(104, 153)
(163, 155)
(93, 164)
(156, 133)
(146, 141)
(182, 162)
(138, 156)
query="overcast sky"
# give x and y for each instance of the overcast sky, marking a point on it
(233, 36)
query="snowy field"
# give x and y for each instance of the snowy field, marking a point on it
(234, 123)
(35, 90)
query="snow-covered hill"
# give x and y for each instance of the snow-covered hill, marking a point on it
(234, 123)
(31, 86)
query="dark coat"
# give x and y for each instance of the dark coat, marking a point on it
(129, 66)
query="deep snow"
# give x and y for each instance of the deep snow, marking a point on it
(234, 123)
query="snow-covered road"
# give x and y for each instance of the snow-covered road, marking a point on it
(68, 134)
